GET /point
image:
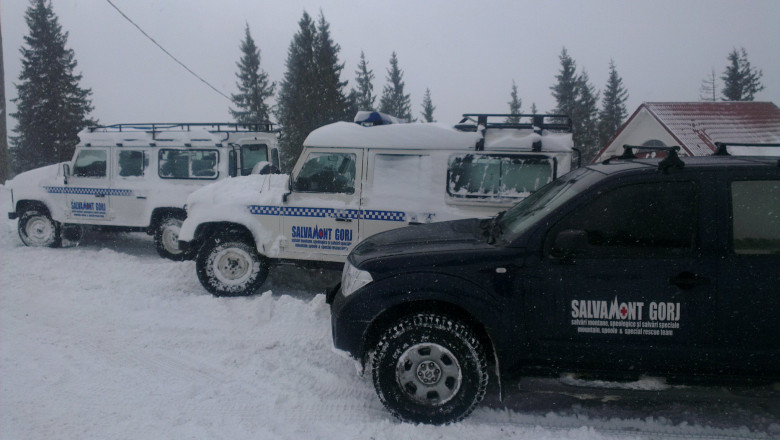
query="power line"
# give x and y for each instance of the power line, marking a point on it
(166, 52)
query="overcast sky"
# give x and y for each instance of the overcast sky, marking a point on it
(468, 53)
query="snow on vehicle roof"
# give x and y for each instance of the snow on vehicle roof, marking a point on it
(431, 136)
(194, 137)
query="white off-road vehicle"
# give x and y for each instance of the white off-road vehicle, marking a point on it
(135, 177)
(353, 180)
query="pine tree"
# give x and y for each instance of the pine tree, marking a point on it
(393, 101)
(51, 107)
(740, 80)
(709, 89)
(514, 105)
(428, 107)
(578, 99)
(311, 94)
(613, 106)
(533, 108)
(585, 118)
(253, 85)
(364, 94)
(565, 90)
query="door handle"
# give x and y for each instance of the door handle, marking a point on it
(100, 195)
(342, 219)
(688, 280)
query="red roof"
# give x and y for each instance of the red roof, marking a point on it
(698, 125)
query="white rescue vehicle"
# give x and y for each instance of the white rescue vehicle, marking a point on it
(136, 177)
(353, 180)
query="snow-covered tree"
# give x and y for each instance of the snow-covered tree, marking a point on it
(393, 101)
(51, 107)
(613, 106)
(311, 94)
(254, 87)
(364, 77)
(428, 107)
(515, 103)
(740, 80)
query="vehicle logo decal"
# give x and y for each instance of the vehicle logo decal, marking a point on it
(88, 191)
(655, 318)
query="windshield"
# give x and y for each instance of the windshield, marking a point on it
(548, 198)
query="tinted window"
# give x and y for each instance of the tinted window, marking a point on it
(90, 163)
(755, 213)
(327, 172)
(188, 164)
(473, 175)
(648, 218)
(131, 163)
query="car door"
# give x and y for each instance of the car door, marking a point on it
(88, 187)
(320, 216)
(131, 187)
(749, 291)
(628, 277)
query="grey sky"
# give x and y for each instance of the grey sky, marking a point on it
(467, 53)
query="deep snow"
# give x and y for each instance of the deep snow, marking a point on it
(107, 340)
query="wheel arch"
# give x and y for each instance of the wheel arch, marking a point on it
(28, 204)
(206, 230)
(159, 214)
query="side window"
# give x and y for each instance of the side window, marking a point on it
(328, 173)
(648, 219)
(400, 173)
(188, 164)
(251, 155)
(90, 163)
(471, 175)
(131, 163)
(755, 216)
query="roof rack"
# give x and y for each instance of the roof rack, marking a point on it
(722, 147)
(157, 127)
(672, 159)
(526, 121)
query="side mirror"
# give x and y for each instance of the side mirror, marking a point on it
(289, 189)
(568, 244)
(65, 173)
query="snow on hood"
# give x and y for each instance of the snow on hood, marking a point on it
(36, 177)
(239, 192)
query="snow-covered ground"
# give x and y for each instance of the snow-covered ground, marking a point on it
(108, 341)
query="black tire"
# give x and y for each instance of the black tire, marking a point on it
(429, 368)
(229, 266)
(166, 239)
(38, 229)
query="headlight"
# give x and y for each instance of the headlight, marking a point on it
(353, 279)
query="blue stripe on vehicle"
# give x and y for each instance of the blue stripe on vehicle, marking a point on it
(393, 216)
(88, 191)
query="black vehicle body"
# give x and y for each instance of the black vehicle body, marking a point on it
(544, 297)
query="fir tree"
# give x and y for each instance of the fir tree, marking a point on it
(533, 108)
(394, 102)
(709, 89)
(311, 94)
(613, 106)
(740, 81)
(514, 105)
(364, 94)
(253, 85)
(428, 107)
(51, 107)
(585, 118)
(577, 98)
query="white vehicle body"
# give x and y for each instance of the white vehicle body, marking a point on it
(136, 176)
(353, 181)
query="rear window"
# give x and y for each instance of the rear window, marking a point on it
(755, 215)
(483, 176)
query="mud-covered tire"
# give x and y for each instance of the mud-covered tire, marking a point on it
(229, 266)
(166, 239)
(429, 368)
(38, 229)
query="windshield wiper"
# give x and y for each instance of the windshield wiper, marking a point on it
(492, 227)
